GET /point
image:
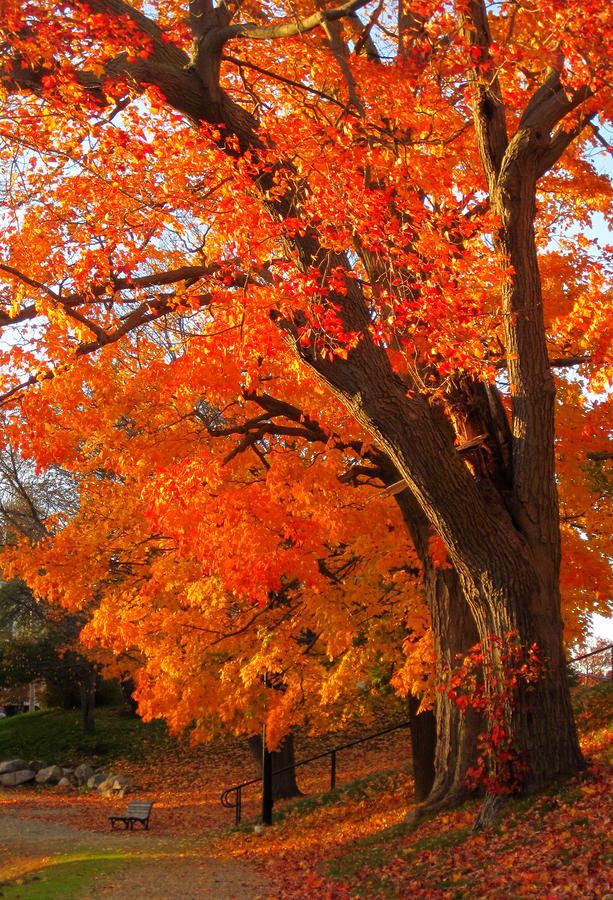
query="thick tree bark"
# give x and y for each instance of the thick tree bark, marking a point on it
(454, 746)
(284, 786)
(499, 576)
(456, 730)
(542, 722)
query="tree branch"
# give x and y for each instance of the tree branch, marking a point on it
(290, 29)
(281, 78)
(188, 274)
(488, 111)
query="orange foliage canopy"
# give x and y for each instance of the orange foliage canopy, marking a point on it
(217, 580)
(156, 303)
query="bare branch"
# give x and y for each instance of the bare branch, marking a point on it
(365, 41)
(556, 362)
(291, 29)
(303, 87)
(26, 279)
(561, 140)
(551, 103)
(105, 291)
(567, 362)
(600, 455)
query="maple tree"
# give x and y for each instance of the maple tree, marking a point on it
(342, 218)
(213, 588)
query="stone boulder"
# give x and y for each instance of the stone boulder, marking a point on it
(97, 779)
(114, 786)
(13, 765)
(50, 775)
(83, 773)
(12, 779)
(65, 782)
(37, 764)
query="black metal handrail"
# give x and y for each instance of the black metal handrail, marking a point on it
(592, 653)
(587, 675)
(235, 802)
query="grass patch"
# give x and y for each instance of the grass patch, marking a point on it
(68, 879)
(57, 736)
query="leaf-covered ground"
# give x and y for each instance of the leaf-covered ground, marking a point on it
(351, 842)
(357, 844)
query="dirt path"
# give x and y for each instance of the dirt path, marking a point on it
(155, 867)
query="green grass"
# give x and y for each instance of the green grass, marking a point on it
(67, 878)
(57, 736)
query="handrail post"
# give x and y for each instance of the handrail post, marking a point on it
(267, 770)
(267, 800)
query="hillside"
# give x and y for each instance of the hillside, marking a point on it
(354, 841)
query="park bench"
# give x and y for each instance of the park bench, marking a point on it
(138, 811)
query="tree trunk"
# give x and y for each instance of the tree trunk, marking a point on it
(128, 686)
(456, 730)
(423, 748)
(284, 786)
(454, 744)
(508, 587)
(87, 695)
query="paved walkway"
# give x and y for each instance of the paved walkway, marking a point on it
(159, 867)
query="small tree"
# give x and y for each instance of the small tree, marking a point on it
(44, 639)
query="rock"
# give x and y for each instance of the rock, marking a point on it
(50, 775)
(83, 773)
(95, 780)
(68, 771)
(114, 792)
(114, 786)
(37, 764)
(12, 779)
(65, 783)
(13, 765)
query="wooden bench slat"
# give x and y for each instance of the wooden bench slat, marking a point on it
(138, 811)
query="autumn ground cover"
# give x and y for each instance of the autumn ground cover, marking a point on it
(58, 844)
(350, 842)
(555, 843)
